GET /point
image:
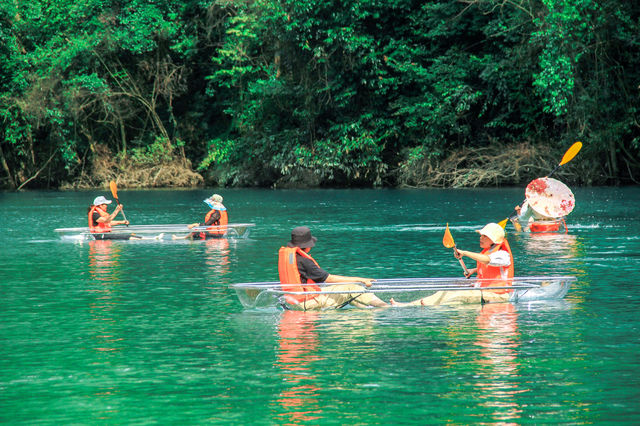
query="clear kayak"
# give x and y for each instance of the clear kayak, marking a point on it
(522, 289)
(232, 230)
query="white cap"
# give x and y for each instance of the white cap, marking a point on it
(101, 200)
(493, 231)
(216, 198)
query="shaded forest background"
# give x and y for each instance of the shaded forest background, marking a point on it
(317, 92)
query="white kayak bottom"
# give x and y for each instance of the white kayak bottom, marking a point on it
(157, 232)
(404, 292)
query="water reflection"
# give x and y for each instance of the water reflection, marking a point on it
(104, 259)
(560, 245)
(498, 378)
(217, 256)
(104, 268)
(298, 342)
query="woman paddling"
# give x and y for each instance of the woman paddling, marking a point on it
(100, 221)
(494, 269)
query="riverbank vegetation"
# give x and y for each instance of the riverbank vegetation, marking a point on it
(317, 93)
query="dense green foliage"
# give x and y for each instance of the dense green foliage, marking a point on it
(318, 92)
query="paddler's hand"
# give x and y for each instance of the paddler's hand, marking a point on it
(193, 225)
(118, 208)
(125, 222)
(457, 254)
(368, 282)
(470, 272)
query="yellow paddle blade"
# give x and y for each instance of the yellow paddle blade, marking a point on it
(447, 240)
(114, 189)
(503, 223)
(517, 226)
(571, 152)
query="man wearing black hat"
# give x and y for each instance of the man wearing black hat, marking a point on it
(299, 272)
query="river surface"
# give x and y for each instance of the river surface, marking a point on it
(150, 332)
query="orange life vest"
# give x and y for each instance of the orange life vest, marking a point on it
(98, 227)
(495, 273)
(290, 275)
(218, 228)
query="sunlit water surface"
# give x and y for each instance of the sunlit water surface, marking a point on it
(150, 332)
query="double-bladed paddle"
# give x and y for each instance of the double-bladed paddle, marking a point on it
(568, 156)
(114, 192)
(448, 242)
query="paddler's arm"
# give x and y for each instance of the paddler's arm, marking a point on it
(342, 279)
(215, 216)
(498, 258)
(213, 219)
(109, 219)
(478, 257)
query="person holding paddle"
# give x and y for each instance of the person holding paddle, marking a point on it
(547, 200)
(494, 268)
(299, 273)
(101, 221)
(495, 261)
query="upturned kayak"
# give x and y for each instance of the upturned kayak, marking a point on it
(233, 230)
(522, 289)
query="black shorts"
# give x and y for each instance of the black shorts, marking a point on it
(110, 236)
(204, 236)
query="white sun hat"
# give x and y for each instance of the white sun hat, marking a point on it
(101, 200)
(493, 231)
(214, 200)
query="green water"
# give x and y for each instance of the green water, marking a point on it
(149, 332)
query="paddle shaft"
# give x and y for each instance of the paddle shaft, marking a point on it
(114, 191)
(464, 267)
(122, 211)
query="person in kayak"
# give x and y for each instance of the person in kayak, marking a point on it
(215, 220)
(547, 202)
(299, 272)
(100, 221)
(526, 215)
(494, 269)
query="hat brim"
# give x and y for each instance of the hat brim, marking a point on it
(310, 243)
(479, 231)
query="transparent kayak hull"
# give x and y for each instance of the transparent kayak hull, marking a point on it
(521, 290)
(232, 230)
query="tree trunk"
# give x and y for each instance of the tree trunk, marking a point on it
(613, 159)
(5, 166)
